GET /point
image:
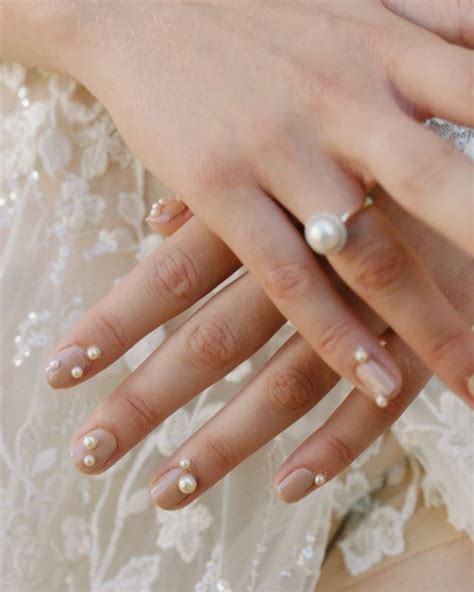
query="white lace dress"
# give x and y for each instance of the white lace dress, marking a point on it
(72, 205)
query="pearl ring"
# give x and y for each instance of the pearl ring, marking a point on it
(326, 233)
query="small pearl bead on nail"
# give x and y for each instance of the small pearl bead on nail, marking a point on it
(187, 483)
(53, 365)
(361, 355)
(93, 352)
(320, 479)
(185, 464)
(89, 460)
(77, 372)
(381, 401)
(90, 442)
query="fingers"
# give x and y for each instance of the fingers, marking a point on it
(385, 273)
(227, 330)
(268, 244)
(425, 174)
(437, 76)
(354, 426)
(184, 269)
(454, 21)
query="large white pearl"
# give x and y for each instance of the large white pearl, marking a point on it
(326, 234)
(187, 483)
(93, 352)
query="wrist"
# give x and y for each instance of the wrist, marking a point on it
(44, 34)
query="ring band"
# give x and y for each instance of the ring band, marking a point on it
(326, 233)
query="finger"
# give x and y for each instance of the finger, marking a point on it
(288, 386)
(259, 232)
(218, 337)
(436, 76)
(378, 265)
(334, 446)
(175, 276)
(166, 217)
(454, 21)
(428, 176)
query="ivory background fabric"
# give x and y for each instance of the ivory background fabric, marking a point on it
(72, 205)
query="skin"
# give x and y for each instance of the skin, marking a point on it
(243, 119)
(304, 138)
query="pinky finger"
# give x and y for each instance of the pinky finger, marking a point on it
(353, 426)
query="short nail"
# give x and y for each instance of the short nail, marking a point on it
(166, 212)
(295, 485)
(166, 492)
(376, 379)
(93, 450)
(66, 366)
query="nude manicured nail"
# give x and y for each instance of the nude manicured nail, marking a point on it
(166, 492)
(93, 450)
(295, 485)
(66, 366)
(376, 379)
(163, 213)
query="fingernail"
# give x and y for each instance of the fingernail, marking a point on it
(295, 485)
(69, 364)
(165, 212)
(470, 385)
(93, 450)
(172, 488)
(377, 380)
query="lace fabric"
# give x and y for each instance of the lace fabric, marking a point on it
(72, 205)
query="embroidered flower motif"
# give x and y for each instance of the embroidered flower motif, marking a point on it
(347, 493)
(76, 537)
(182, 530)
(137, 575)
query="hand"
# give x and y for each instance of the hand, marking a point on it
(262, 108)
(228, 329)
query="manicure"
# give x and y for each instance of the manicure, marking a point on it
(93, 450)
(174, 486)
(164, 212)
(69, 364)
(295, 485)
(376, 379)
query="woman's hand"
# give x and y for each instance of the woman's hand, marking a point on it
(229, 328)
(245, 108)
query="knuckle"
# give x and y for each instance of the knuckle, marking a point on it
(379, 266)
(427, 172)
(336, 445)
(215, 173)
(290, 392)
(446, 342)
(220, 450)
(139, 410)
(214, 343)
(331, 334)
(113, 328)
(286, 281)
(172, 274)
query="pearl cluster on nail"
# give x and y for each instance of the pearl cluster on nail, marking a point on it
(90, 443)
(92, 353)
(361, 356)
(186, 483)
(320, 479)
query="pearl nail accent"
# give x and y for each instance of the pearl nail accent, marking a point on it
(53, 365)
(381, 401)
(361, 355)
(77, 372)
(89, 460)
(185, 464)
(90, 442)
(93, 352)
(187, 483)
(320, 479)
